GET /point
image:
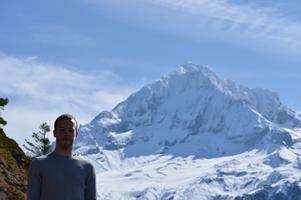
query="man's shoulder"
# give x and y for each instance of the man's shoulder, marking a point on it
(83, 161)
(37, 162)
(41, 158)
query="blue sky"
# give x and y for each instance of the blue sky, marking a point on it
(84, 56)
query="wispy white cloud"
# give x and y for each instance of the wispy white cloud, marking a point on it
(40, 91)
(242, 23)
(251, 20)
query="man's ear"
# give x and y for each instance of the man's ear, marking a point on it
(54, 133)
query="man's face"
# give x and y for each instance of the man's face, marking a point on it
(65, 133)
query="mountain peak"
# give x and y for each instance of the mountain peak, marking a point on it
(191, 67)
(188, 107)
(195, 75)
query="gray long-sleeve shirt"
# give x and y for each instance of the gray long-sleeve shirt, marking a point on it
(61, 178)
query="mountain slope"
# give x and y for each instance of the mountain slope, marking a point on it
(185, 109)
(194, 135)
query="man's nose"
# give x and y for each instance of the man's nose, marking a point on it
(65, 132)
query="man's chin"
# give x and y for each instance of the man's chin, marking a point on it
(66, 145)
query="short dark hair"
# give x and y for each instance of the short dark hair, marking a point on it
(65, 116)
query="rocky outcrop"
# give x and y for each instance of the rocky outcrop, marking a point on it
(288, 191)
(13, 169)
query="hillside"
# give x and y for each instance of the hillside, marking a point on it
(13, 169)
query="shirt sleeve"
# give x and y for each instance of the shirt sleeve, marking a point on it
(90, 189)
(34, 181)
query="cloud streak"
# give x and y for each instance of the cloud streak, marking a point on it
(243, 19)
(40, 91)
(241, 23)
(259, 22)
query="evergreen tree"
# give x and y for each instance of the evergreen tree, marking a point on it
(41, 146)
(3, 102)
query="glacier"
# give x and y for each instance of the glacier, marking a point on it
(195, 135)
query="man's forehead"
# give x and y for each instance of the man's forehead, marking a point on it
(66, 121)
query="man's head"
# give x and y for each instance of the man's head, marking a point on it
(65, 131)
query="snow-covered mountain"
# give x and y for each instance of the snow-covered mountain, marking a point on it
(194, 135)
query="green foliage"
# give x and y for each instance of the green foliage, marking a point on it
(9, 147)
(3, 102)
(41, 145)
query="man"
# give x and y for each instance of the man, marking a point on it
(59, 175)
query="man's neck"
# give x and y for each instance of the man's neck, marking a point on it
(63, 152)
